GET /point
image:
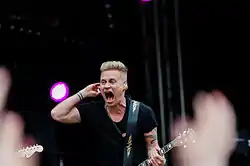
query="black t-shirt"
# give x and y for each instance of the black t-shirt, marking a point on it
(107, 142)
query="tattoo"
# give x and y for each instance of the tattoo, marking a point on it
(152, 144)
(151, 137)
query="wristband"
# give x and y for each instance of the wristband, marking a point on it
(80, 95)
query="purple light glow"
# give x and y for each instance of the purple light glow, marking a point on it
(59, 91)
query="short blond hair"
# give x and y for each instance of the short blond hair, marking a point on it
(113, 65)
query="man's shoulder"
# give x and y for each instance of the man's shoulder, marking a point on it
(147, 120)
(89, 110)
(90, 104)
(144, 107)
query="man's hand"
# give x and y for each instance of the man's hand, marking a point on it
(90, 90)
(153, 148)
(155, 158)
(215, 131)
(11, 129)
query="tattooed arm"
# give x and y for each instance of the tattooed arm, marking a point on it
(153, 148)
(151, 139)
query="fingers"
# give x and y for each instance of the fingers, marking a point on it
(11, 129)
(208, 106)
(10, 139)
(212, 106)
(95, 87)
(157, 160)
(97, 84)
(199, 105)
(10, 136)
(204, 101)
(30, 161)
(222, 101)
(94, 94)
(226, 108)
(5, 82)
(228, 122)
(153, 162)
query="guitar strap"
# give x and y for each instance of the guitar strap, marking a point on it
(131, 131)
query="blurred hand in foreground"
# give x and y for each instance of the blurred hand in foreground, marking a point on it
(11, 129)
(214, 124)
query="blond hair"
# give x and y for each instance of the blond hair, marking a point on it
(113, 65)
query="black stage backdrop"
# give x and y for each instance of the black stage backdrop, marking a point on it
(214, 40)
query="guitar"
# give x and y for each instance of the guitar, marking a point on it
(180, 140)
(27, 152)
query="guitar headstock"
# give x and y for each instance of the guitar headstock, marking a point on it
(27, 152)
(184, 138)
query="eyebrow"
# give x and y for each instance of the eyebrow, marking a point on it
(109, 79)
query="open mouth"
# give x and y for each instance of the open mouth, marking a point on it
(109, 96)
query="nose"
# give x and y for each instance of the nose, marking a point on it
(107, 85)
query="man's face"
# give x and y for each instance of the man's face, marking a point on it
(111, 86)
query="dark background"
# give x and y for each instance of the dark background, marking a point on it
(45, 42)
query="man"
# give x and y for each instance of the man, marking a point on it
(108, 119)
(214, 120)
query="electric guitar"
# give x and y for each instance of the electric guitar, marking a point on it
(180, 140)
(28, 151)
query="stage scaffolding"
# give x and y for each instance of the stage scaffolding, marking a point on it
(159, 23)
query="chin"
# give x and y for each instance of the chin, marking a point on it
(111, 104)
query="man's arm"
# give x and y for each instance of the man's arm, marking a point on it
(153, 148)
(66, 112)
(152, 141)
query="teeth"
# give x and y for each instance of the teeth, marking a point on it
(110, 98)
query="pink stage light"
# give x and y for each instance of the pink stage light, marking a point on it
(59, 91)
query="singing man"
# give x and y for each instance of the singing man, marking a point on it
(109, 119)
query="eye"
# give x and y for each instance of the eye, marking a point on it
(112, 81)
(103, 82)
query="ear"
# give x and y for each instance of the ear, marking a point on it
(125, 86)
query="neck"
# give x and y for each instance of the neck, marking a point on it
(118, 108)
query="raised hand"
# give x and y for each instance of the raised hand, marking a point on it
(215, 127)
(11, 129)
(91, 90)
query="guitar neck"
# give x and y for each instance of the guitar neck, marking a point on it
(162, 152)
(167, 148)
(29, 151)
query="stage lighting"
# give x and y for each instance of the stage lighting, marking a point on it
(59, 91)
